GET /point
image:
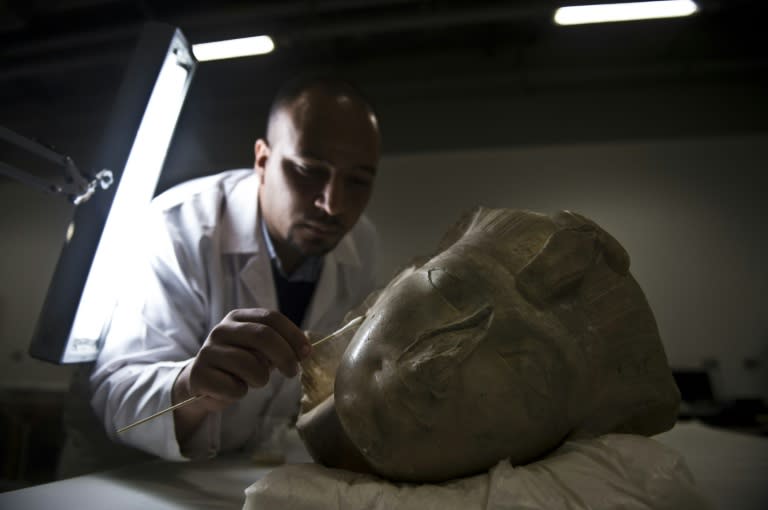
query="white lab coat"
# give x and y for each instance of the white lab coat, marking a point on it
(205, 256)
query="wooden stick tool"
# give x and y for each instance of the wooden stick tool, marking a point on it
(354, 322)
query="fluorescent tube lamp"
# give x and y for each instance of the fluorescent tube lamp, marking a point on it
(104, 232)
(233, 48)
(603, 13)
(133, 194)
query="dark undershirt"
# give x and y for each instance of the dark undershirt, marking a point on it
(293, 298)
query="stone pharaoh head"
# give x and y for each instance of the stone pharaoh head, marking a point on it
(524, 331)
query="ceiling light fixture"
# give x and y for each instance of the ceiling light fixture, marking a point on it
(233, 48)
(603, 13)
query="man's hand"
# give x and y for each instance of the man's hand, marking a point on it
(239, 353)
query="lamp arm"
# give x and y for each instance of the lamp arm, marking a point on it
(77, 188)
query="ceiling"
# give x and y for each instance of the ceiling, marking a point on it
(60, 60)
(49, 36)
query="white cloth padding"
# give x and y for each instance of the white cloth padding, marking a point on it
(615, 471)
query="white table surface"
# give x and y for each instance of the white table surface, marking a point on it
(730, 468)
(218, 483)
(158, 485)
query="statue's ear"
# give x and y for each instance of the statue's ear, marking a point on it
(613, 252)
(558, 268)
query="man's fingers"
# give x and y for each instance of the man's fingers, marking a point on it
(262, 339)
(278, 322)
(252, 368)
(217, 384)
(257, 338)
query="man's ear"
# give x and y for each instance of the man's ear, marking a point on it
(261, 152)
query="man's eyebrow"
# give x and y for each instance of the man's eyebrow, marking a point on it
(309, 159)
(367, 168)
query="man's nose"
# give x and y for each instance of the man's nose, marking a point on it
(331, 197)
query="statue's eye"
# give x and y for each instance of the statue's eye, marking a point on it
(462, 295)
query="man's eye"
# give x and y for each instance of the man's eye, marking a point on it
(360, 182)
(308, 171)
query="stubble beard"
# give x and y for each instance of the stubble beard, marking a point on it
(309, 249)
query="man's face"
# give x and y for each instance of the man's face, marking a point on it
(317, 170)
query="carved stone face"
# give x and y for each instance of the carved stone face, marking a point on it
(523, 332)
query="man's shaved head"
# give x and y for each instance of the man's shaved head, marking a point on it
(325, 84)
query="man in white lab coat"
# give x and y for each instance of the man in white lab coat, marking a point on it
(236, 266)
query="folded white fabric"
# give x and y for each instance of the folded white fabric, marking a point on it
(612, 472)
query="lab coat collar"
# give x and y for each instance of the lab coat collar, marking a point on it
(241, 219)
